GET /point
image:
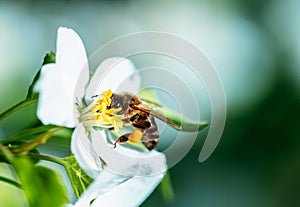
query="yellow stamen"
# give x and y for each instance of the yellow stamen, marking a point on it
(100, 114)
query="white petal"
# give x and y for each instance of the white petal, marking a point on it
(105, 182)
(118, 74)
(58, 81)
(130, 193)
(53, 107)
(72, 62)
(84, 152)
(128, 162)
(110, 189)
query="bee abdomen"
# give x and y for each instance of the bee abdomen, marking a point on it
(141, 120)
(150, 144)
(151, 135)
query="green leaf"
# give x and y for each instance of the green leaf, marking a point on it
(42, 186)
(167, 188)
(149, 95)
(79, 179)
(49, 58)
(150, 101)
(185, 123)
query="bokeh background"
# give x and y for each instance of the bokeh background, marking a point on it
(255, 47)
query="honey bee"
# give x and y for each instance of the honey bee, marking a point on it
(142, 118)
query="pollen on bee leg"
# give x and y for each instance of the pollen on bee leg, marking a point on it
(135, 136)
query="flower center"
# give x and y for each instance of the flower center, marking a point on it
(100, 114)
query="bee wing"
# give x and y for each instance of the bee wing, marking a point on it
(153, 109)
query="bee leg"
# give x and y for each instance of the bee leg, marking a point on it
(133, 137)
(121, 139)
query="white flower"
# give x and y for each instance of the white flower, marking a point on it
(129, 176)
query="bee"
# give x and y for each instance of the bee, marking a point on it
(141, 117)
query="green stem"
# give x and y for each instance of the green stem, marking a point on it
(17, 107)
(9, 181)
(26, 133)
(36, 142)
(47, 158)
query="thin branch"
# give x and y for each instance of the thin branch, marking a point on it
(47, 158)
(26, 133)
(36, 142)
(9, 181)
(17, 107)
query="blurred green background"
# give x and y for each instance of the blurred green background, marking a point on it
(255, 47)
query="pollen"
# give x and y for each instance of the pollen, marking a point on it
(100, 114)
